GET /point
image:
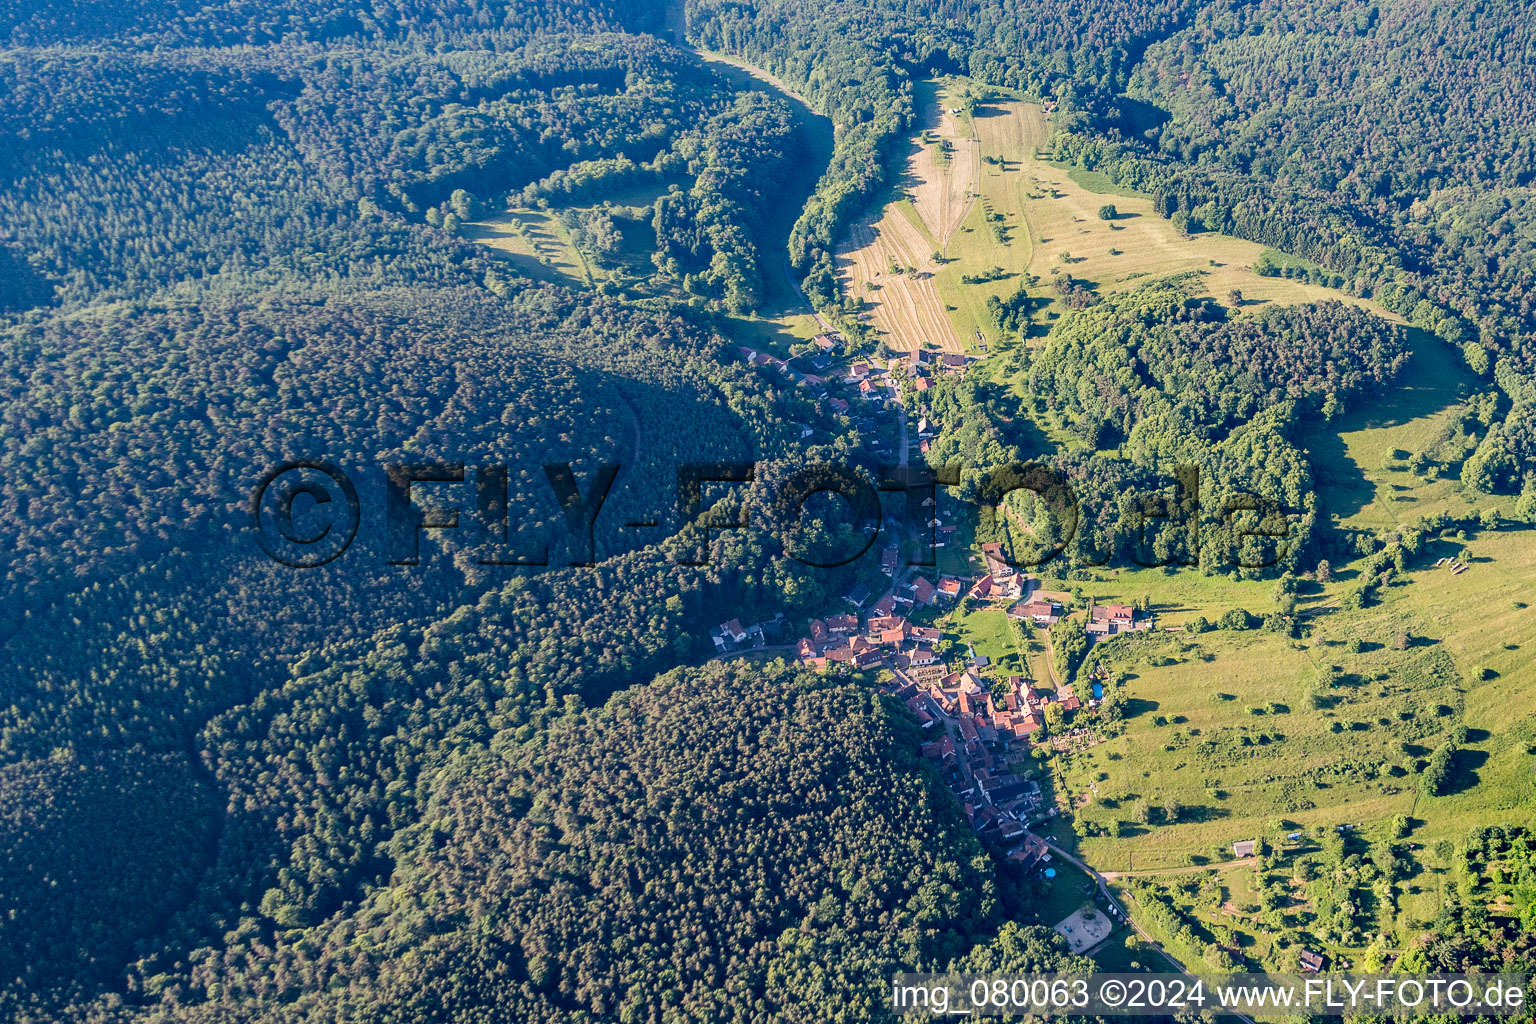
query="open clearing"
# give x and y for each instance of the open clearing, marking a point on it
(976, 191)
(1065, 232)
(944, 172)
(889, 258)
(533, 242)
(1223, 724)
(1365, 478)
(1087, 927)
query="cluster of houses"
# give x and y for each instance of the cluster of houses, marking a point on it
(977, 713)
(886, 639)
(839, 382)
(980, 738)
(920, 366)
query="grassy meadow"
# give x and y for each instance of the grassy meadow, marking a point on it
(1225, 724)
(534, 243)
(1365, 477)
(1029, 218)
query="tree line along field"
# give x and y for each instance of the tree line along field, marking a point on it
(1231, 735)
(602, 233)
(1372, 476)
(1025, 222)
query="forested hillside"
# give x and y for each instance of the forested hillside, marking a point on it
(223, 258)
(233, 234)
(1389, 143)
(723, 844)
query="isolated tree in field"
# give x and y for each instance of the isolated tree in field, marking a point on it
(1324, 571)
(1108, 212)
(1235, 297)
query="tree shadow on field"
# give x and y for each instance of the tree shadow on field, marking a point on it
(1464, 775)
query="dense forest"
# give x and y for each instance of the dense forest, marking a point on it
(725, 844)
(1150, 383)
(236, 238)
(233, 234)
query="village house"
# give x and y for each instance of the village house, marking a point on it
(942, 749)
(923, 592)
(889, 559)
(997, 564)
(1032, 852)
(920, 654)
(842, 625)
(884, 607)
(1041, 613)
(857, 596)
(919, 708)
(868, 659)
(1106, 620)
(941, 699)
(732, 635)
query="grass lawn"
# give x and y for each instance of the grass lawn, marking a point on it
(1223, 723)
(1362, 460)
(990, 634)
(1068, 891)
(535, 244)
(773, 334)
